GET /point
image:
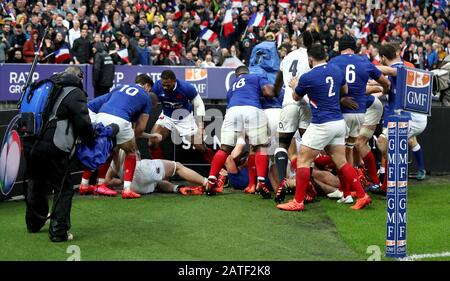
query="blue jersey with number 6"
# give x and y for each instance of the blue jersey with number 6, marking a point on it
(357, 70)
(125, 101)
(179, 98)
(246, 90)
(322, 84)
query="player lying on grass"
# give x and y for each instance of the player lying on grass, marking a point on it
(151, 175)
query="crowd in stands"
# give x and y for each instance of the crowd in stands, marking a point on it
(172, 32)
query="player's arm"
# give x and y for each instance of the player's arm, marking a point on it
(110, 178)
(278, 83)
(299, 87)
(373, 89)
(199, 107)
(387, 70)
(140, 125)
(266, 88)
(377, 75)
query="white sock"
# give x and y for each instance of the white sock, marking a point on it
(100, 181)
(416, 148)
(84, 181)
(175, 189)
(126, 185)
(205, 181)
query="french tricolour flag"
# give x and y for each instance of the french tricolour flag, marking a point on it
(177, 13)
(227, 23)
(208, 34)
(105, 24)
(258, 20)
(62, 54)
(123, 54)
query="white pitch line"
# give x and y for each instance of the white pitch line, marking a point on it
(425, 256)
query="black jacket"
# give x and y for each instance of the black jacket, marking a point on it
(81, 49)
(74, 108)
(103, 70)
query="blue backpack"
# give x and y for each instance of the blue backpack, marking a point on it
(39, 106)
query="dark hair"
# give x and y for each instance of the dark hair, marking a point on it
(347, 42)
(241, 70)
(143, 79)
(75, 70)
(309, 38)
(168, 74)
(388, 51)
(396, 46)
(317, 52)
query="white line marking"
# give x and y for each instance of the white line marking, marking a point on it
(425, 256)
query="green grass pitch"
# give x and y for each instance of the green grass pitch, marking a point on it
(229, 227)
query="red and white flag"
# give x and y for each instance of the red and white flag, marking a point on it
(105, 24)
(208, 34)
(284, 3)
(237, 4)
(227, 23)
(62, 55)
(123, 54)
(177, 13)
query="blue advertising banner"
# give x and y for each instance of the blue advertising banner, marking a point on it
(414, 90)
(211, 83)
(397, 185)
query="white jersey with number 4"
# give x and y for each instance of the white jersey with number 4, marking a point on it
(294, 64)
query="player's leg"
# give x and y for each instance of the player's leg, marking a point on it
(303, 175)
(365, 152)
(129, 166)
(287, 127)
(258, 137)
(418, 155)
(176, 168)
(162, 127)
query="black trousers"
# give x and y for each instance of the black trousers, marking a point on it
(100, 90)
(45, 172)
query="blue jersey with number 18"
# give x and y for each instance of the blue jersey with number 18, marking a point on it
(127, 102)
(246, 90)
(322, 84)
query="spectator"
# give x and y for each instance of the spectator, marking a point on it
(59, 27)
(133, 55)
(4, 47)
(74, 32)
(160, 59)
(144, 52)
(47, 50)
(81, 49)
(430, 56)
(17, 57)
(32, 46)
(208, 61)
(18, 39)
(172, 59)
(188, 60)
(162, 42)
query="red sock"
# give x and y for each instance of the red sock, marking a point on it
(323, 160)
(294, 163)
(369, 162)
(344, 186)
(384, 185)
(301, 183)
(103, 169)
(261, 162)
(251, 170)
(352, 178)
(129, 165)
(217, 163)
(86, 175)
(208, 155)
(156, 153)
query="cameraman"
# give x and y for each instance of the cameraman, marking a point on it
(48, 158)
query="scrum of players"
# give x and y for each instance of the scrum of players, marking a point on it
(312, 140)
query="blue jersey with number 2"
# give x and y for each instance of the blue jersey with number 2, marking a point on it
(125, 101)
(322, 84)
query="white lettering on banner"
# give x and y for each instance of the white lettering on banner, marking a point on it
(201, 88)
(402, 203)
(154, 75)
(416, 98)
(118, 77)
(391, 203)
(17, 81)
